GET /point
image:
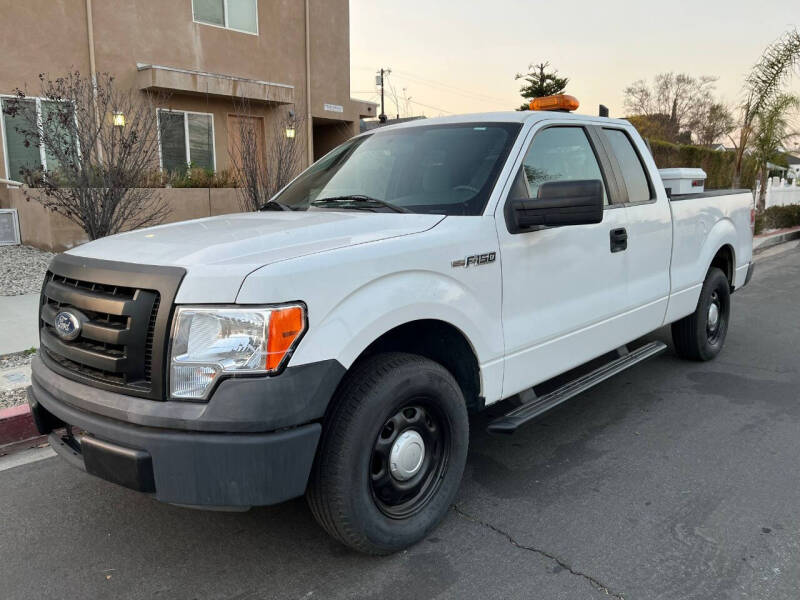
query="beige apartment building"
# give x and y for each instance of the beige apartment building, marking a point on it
(279, 55)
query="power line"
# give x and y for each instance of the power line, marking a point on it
(449, 87)
(429, 106)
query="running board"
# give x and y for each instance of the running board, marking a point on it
(521, 415)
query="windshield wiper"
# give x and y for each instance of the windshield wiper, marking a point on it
(361, 198)
(274, 205)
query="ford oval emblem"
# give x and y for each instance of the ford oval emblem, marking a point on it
(67, 325)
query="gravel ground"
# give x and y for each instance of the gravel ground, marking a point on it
(11, 361)
(22, 269)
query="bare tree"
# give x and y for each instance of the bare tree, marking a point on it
(101, 148)
(718, 122)
(763, 86)
(680, 102)
(266, 156)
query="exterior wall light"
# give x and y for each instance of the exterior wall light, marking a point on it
(119, 119)
(290, 133)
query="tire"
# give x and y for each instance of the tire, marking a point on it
(696, 337)
(354, 492)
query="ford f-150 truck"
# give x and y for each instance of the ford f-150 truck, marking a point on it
(334, 343)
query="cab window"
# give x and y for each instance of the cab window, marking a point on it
(633, 173)
(560, 154)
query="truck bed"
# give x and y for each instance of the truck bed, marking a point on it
(708, 194)
(712, 220)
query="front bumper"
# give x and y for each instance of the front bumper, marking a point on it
(178, 465)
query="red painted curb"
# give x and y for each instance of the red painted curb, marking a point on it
(16, 424)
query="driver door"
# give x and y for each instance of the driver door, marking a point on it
(563, 287)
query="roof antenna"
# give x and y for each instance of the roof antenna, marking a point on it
(603, 110)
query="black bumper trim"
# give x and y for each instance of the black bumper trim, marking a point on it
(193, 468)
(750, 270)
(248, 404)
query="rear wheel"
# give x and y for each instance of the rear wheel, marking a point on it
(392, 453)
(701, 335)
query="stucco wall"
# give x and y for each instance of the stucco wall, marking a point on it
(53, 232)
(50, 36)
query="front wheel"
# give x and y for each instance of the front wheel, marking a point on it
(701, 335)
(392, 453)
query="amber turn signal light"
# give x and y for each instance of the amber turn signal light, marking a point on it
(286, 325)
(563, 102)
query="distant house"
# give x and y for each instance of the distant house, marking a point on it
(794, 166)
(717, 147)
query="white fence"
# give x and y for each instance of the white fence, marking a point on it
(780, 193)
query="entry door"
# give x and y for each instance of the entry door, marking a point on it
(563, 287)
(245, 133)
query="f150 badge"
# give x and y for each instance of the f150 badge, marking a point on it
(475, 260)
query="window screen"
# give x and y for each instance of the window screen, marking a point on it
(201, 152)
(186, 139)
(58, 124)
(209, 11)
(21, 153)
(560, 154)
(173, 141)
(632, 169)
(243, 15)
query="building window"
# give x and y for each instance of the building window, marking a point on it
(21, 154)
(186, 139)
(239, 15)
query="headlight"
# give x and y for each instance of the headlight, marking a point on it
(210, 342)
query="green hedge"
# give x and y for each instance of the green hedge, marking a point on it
(717, 164)
(778, 217)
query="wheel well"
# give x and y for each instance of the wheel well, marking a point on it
(723, 260)
(440, 342)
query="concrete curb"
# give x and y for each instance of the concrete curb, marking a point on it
(16, 425)
(777, 239)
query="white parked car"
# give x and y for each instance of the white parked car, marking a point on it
(333, 344)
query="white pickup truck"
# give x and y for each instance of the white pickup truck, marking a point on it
(333, 344)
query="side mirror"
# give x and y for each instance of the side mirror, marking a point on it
(559, 203)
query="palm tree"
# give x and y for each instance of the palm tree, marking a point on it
(762, 87)
(771, 133)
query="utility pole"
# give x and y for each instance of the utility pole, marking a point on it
(379, 81)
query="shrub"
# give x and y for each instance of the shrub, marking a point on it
(718, 165)
(778, 217)
(202, 178)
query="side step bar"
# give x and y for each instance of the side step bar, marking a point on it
(531, 409)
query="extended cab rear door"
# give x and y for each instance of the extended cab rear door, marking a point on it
(649, 228)
(565, 289)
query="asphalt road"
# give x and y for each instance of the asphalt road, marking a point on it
(672, 480)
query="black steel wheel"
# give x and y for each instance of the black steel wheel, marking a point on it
(392, 453)
(701, 335)
(408, 458)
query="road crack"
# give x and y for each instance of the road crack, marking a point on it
(594, 582)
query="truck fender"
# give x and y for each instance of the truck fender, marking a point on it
(684, 301)
(377, 307)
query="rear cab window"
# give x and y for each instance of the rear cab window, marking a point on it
(634, 174)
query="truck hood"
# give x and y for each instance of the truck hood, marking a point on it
(219, 252)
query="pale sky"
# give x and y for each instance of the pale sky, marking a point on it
(458, 57)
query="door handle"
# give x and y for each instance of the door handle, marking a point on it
(619, 239)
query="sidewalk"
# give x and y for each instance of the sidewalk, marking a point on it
(19, 323)
(773, 238)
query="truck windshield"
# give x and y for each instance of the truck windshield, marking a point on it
(441, 169)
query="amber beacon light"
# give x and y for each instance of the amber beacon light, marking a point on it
(562, 102)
